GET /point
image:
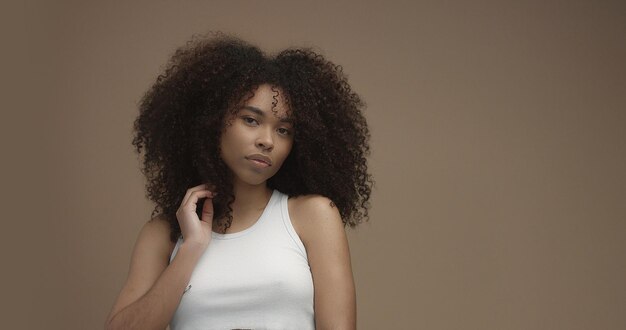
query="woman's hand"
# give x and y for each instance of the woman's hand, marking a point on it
(194, 230)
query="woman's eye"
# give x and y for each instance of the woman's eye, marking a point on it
(284, 131)
(249, 120)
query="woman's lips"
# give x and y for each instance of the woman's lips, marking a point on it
(259, 163)
(259, 160)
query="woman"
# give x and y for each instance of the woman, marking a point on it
(256, 164)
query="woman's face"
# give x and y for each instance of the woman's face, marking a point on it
(258, 140)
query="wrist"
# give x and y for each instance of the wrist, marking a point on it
(193, 247)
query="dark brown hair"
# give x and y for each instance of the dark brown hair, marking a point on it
(181, 120)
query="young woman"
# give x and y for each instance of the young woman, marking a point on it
(256, 164)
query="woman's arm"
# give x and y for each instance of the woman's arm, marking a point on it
(322, 232)
(153, 289)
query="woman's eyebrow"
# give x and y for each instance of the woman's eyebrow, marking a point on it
(262, 114)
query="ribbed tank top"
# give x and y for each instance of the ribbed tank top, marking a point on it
(258, 278)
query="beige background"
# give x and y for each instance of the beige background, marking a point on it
(498, 148)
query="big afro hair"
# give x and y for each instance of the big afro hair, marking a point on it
(181, 118)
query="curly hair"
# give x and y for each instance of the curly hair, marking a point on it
(181, 120)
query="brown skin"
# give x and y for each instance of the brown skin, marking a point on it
(153, 289)
(321, 230)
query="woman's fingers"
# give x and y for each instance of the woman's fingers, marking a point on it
(207, 211)
(192, 190)
(193, 198)
(192, 228)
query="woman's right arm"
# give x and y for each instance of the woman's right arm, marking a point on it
(154, 289)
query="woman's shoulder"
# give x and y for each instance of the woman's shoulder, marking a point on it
(156, 234)
(312, 216)
(312, 203)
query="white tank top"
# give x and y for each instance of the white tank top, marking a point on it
(258, 278)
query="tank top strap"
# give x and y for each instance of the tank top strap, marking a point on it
(288, 225)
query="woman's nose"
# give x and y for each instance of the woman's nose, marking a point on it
(265, 141)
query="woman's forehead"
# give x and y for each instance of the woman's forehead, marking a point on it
(267, 98)
(283, 116)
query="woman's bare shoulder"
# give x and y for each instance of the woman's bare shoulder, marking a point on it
(311, 203)
(311, 215)
(156, 234)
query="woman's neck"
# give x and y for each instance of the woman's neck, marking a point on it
(250, 201)
(250, 197)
